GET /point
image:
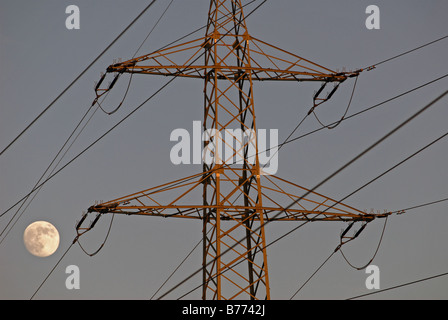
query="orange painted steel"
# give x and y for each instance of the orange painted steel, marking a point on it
(237, 199)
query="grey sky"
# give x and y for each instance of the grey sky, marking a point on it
(39, 57)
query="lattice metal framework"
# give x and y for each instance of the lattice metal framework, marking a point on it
(237, 197)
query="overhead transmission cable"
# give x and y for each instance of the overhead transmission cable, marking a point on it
(91, 145)
(356, 158)
(363, 111)
(290, 231)
(406, 52)
(177, 268)
(76, 128)
(334, 126)
(382, 234)
(117, 124)
(339, 248)
(294, 139)
(400, 286)
(102, 244)
(281, 145)
(36, 187)
(135, 53)
(116, 109)
(288, 141)
(326, 261)
(67, 141)
(374, 255)
(107, 132)
(421, 206)
(77, 78)
(224, 270)
(111, 222)
(362, 187)
(55, 266)
(314, 273)
(336, 123)
(71, 135)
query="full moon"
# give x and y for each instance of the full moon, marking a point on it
(41, 238)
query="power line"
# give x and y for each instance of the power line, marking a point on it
(125, 117)
(288, 140)
(58, 153)
(374, 255)
(331, 127)
(400, 286)
(345, 118)
(339, 248)
(336, 123)
(422, 110)
(407, 52)
(97, 140)
(104, 242)
(236, 264)
(288, 232)
(165, 46)
(316, 130)
(368, 149)
(279, 146)
(346, 197)
(200, 28)
(153, 28)
(38, 188)
(365, 110)
(92, 144)
(77, 78)
(399, 164)
(177, 268)
(71, 135)
(121, 121)
(65, 253)
(315, 272)
(421, 205)
(135, 53)
(57, 263)
(382, 234)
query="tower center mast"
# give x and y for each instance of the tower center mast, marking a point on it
(238, 199)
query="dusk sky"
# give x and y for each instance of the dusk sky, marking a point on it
(40, 57)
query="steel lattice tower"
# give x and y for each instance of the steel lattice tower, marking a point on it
(237, 197)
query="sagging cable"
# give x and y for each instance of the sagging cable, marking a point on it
(330, 127)
(339, 248)
(81, 231)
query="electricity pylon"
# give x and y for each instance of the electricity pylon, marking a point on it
(238, 197)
